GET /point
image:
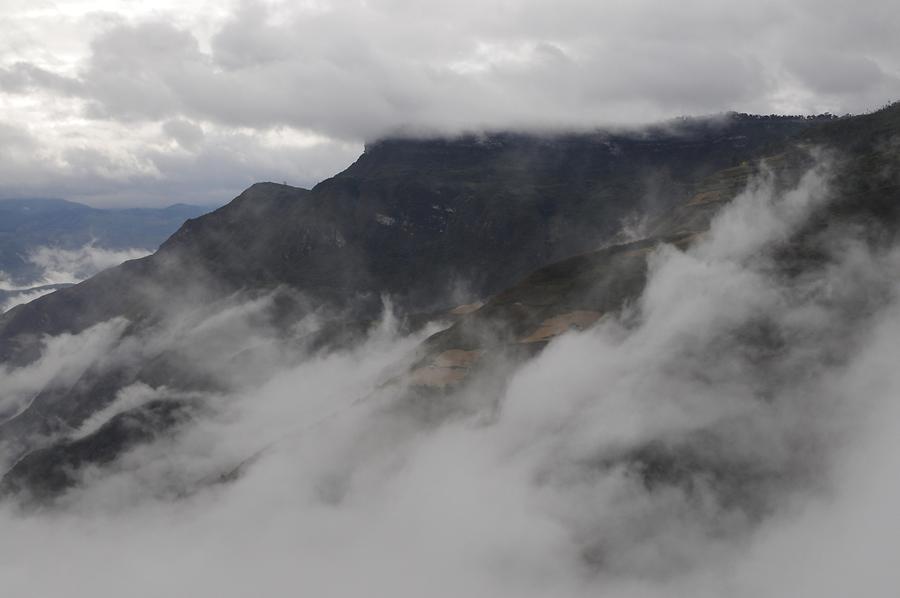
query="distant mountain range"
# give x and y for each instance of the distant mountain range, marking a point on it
(27, 224)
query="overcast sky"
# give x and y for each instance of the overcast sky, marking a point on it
(127, 102)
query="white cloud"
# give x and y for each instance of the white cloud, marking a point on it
(60, 266)
(63, 360)
(70, 266)
(99, 82)
(22, 297)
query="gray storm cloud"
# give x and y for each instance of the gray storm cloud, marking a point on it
(107, 100)
(775, 393)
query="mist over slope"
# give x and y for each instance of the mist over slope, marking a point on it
(682, 359)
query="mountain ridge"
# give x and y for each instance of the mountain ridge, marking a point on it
(519, 318)
(418, 218)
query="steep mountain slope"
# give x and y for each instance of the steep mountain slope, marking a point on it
(330, 245)
(428, 222)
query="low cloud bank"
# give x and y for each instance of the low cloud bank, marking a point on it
(731, 432)
(70, 266)
(60, 266)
